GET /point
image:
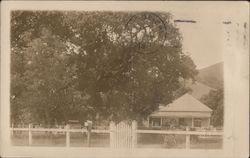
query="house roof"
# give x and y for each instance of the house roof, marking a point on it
(184, 104)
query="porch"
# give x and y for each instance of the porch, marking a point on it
(179, 123)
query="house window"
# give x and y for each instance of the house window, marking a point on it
(197, 122)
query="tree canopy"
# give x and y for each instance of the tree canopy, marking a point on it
(86, 65)
(215, 100)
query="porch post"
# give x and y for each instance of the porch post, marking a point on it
(208, 122)
(161, 121)
(192, 122)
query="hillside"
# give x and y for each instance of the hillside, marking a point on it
(198, 89)
(212, 76)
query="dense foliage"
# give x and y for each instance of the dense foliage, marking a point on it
(85, 65)
(215, 100)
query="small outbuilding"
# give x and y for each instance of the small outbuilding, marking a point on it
(184, 111)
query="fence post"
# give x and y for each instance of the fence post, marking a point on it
(88, 137)
(30, 134)
(67, 136)
(134, 134)
(12, 129)
(112, 132)
(187, 138)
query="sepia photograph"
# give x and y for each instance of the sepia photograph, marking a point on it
(123, 79)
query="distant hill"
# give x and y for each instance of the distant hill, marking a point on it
(209, 78)
(198, 89)
(212, 76)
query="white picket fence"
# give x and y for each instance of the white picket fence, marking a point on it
(122, 135)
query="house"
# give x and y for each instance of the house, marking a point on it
(184, 111)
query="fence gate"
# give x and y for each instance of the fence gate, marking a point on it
(123, 135)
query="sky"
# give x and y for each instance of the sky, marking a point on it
(202, 40)
(205, 40)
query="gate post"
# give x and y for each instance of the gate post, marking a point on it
(134, 134)
(112, 134)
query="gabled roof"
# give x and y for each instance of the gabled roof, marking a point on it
(185, 103)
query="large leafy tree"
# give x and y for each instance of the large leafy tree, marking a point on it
(77, 65)
(41, 78)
